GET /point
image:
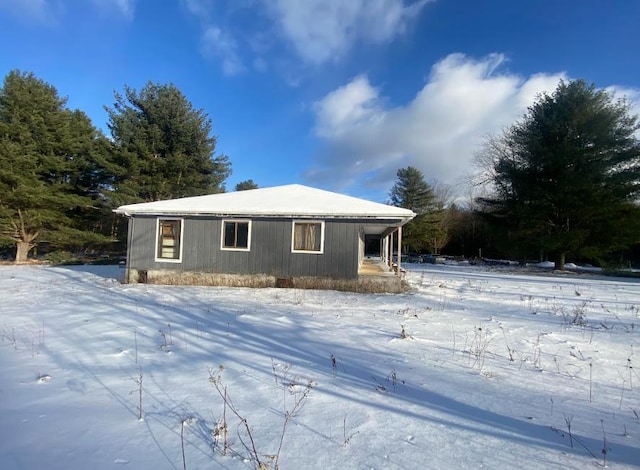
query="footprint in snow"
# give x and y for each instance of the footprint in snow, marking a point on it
(42, 378)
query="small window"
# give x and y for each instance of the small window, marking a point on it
(308, 237)
(236, 235)
(169, 240)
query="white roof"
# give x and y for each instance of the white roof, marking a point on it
(293, 200)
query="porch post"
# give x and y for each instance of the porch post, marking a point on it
(383, 249)
(399, 247)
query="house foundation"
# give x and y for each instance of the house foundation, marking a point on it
(364, 283)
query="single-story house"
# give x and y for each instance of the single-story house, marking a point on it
(285, 236)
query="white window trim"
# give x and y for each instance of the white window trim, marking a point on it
(224, 248)
(293, 230)
(155, 246)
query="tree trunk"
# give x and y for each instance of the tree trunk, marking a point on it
(23, 238)
(22, 250)
(559, 263)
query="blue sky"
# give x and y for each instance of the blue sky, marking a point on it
(336, 94)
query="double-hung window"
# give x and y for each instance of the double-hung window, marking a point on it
(307, 237)
(169, 240)
(236, 235)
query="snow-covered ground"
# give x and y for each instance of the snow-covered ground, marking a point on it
(470, 369)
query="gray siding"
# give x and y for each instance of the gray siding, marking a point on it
(270, 249)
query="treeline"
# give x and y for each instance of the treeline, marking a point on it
(60, 176)
(563, 181)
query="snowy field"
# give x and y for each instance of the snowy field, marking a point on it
(470, 369)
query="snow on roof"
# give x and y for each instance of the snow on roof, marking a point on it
(293, 200)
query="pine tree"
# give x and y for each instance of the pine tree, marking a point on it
(46, 167)
(411, 191)
(245, 185)
(162, 147)
(567, 176)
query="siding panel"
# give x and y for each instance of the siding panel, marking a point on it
(270, 248)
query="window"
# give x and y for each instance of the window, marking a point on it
(308, 237)
(236, 235)
(169, 240)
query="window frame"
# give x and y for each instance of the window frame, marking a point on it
(307, 222)
(222, 232)
(160, 259)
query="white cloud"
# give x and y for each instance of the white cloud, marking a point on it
(216, 43)
(52, 11)
(464, 99)
(222, 45)
(38, 10)
(200, 8)
(324, 30)
(318, 31)
(632, 98)
(347, 108)
(124, 7)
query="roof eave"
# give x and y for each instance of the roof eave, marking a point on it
(177, 213)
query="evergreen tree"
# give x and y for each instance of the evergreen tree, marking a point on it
(440, 217)
(162, 147)
(48, 176)
(567, 176)
(247, 184)
(411, 191)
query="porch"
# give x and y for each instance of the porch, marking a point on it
(375, 267)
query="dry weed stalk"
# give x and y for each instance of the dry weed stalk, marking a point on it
(138, 381)
(261, 461)
(346, 439)
(478, 347)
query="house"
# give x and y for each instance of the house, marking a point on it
(292, 236)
